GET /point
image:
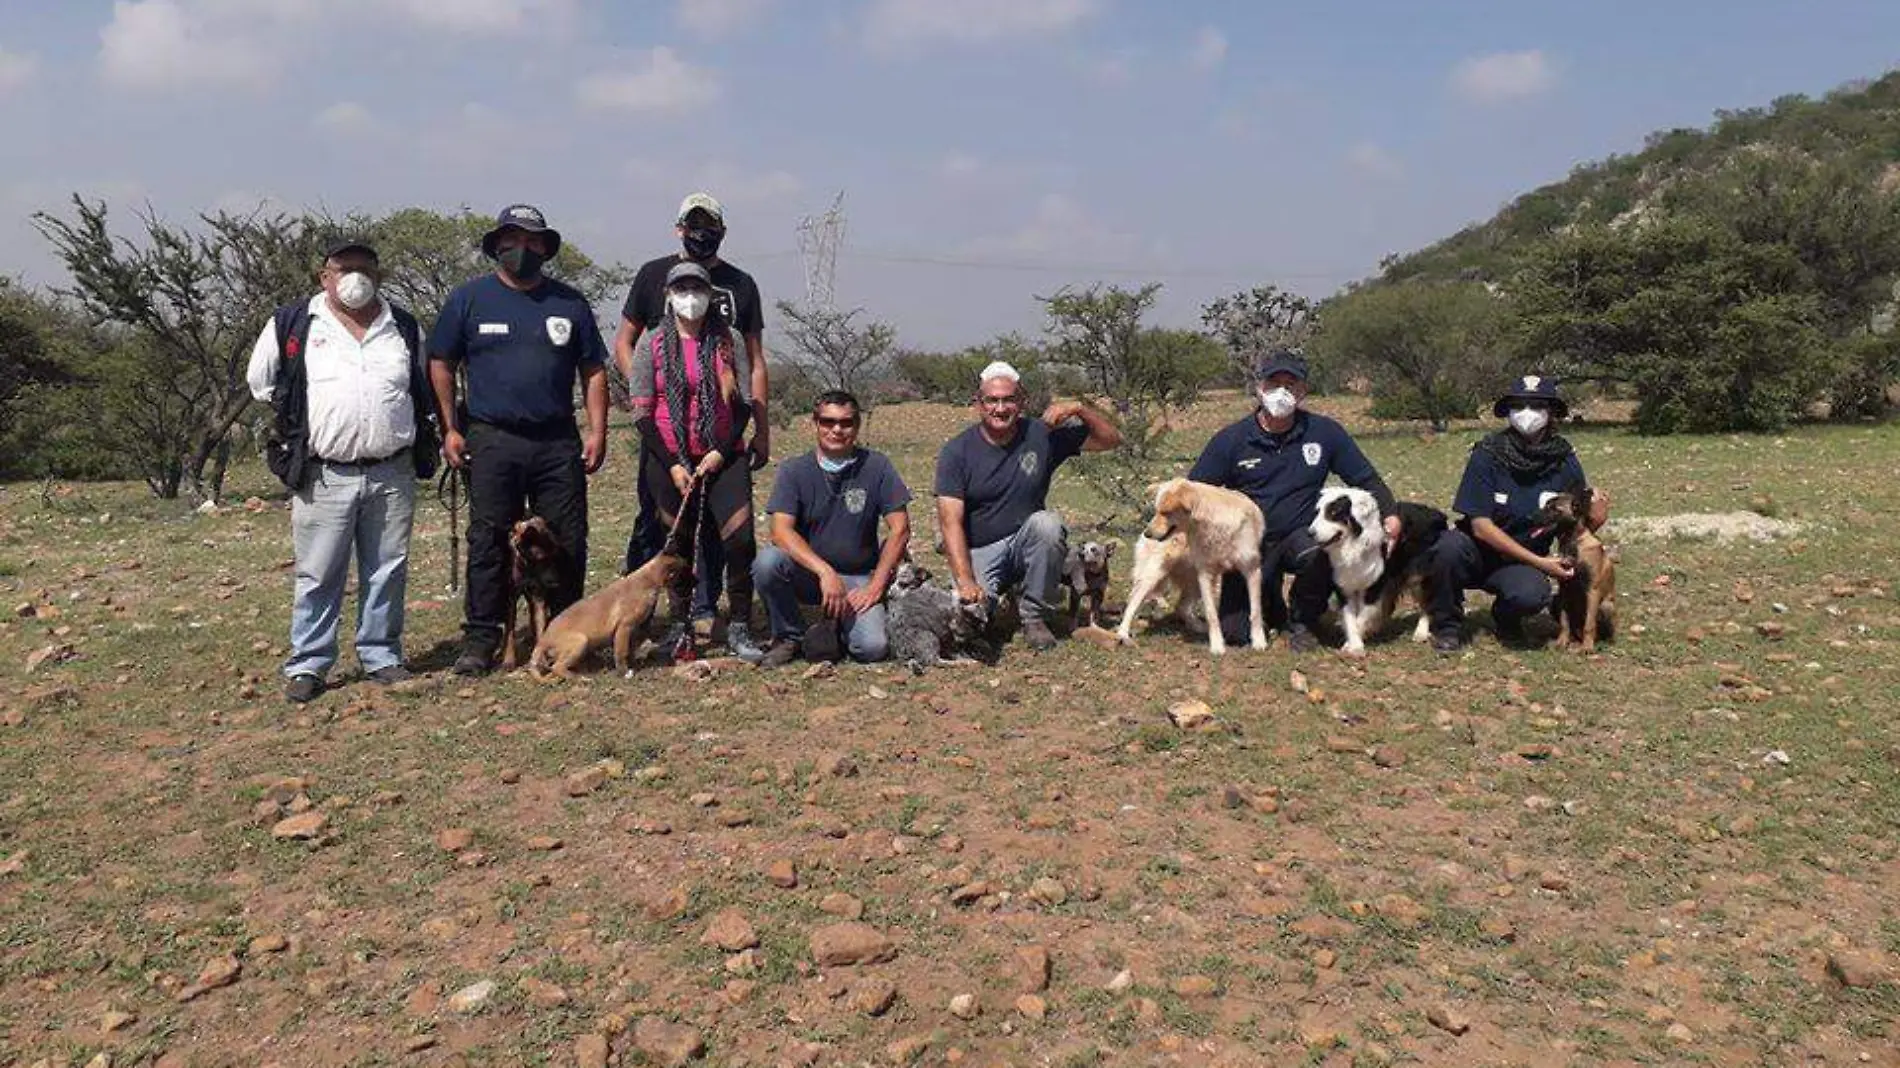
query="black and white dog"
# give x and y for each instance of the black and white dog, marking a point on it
(1085, 573)
(1348, 529)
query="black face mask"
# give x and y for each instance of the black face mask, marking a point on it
(702, 243)
(522, 262)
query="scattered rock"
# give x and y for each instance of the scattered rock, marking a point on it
(964, 1007)
(667, 906)
(541, 993)
(1193, 986)
(1123, 980)
(590, 1051)
(420, 1043)
(694, 671)
(1400, 911)
(542, 843)
(586, 781)
(301, 827)
(850, 943)
(667, 1044)
(872, 996)
(821, 670)
(1032, 1007)
(1339, 743)
(1679, 1032)
(218, 972)
(1555, 882)
(1032, 968)
(1387, 756)
(841, 905)
(837, 766)
(472, 997)
(115, 1021)
(1858, 970)
(744, 963)
(1321, 928)
(510, 776)
(455, 839)
(733, 817)
(1497, 927)
(1447, 1019)
(729, 930)
(972, 892)
(905, 1050)
(266, 944)
(782, 873)
(1324, 958)
(1049, 891)
(1190, 715)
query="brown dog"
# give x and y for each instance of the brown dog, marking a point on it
(1585, 605)
(618, 613)
(536, 565)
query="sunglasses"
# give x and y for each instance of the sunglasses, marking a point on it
(828, 423)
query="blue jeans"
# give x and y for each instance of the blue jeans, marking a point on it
(783, 585)
(1032, 558)
(344, 510)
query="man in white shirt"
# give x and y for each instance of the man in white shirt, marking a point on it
(343, 376)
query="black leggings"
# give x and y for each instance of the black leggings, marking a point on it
(727, 512)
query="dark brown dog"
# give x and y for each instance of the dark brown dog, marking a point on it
(536, 564)
(1585, 605)
(620, 612)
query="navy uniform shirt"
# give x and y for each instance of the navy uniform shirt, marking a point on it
(1002, 486)
(1492, 491)
(1283, 473)
(522, 349)
(838, 514)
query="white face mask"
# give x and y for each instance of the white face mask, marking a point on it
(1528, 421)
(1278, 402)
(355, 290)
(690, 305)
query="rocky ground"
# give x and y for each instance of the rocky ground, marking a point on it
(1681, 850)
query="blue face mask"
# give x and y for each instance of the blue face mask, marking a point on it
(831, 466)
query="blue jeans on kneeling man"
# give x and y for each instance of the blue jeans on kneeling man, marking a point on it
(784, 585)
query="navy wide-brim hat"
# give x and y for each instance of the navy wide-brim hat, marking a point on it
(1533, 387)
(524, 217)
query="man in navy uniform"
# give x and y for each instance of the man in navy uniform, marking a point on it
(524, 338)
(826, 507)
(1280, 456)
(1509, 477)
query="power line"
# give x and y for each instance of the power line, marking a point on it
(926, 259)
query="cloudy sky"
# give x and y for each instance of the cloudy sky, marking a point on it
(989, 150)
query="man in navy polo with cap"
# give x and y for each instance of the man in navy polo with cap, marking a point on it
(1511, 474)
(523, 338)
(1280, 457)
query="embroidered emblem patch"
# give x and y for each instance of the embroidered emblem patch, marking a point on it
(854, 499)
(560, 328)
(1312, 451)
(1028, 463)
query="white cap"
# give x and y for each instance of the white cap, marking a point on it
(998, 369)
(703, 202)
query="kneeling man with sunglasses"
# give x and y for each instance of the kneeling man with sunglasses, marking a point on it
(825, 509)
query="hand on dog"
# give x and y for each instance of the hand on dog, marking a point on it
(1393, 529)
(1558, 569)
(969, 592)
(710, 464)
(831, 594)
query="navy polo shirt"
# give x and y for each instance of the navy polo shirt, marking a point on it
(1002, 486)
(1492, 491)
(1283, 473)
(522, 349)
(838, 514)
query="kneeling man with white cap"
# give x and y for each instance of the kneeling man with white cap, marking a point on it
(992, 495)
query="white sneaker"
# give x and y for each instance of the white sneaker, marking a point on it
(739, 640)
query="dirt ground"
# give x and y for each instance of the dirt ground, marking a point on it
(1679, 851)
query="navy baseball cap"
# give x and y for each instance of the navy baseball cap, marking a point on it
(1534, 388)
(1280, 361)
(342, 245)
(525, 217)
(687, 269)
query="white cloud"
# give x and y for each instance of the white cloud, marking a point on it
(718, 18)
(485, 16)
(1113, 69)
(1504, 76)
(163, 44)
(1372, 161)
(1209, 51)
(347, 118)
(906, 22)
(16, 69)
(746, 186)
(662, 84)
(1061, 229)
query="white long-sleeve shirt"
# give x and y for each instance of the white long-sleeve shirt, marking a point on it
(360, 407)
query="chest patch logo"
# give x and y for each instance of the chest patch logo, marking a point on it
(854, 499)
(492, 328)
(1028, 463)
(560, 329)
(1312, 452)
(1501, 498)
(1248, 464)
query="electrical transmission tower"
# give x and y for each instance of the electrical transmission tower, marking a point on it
(818, 239)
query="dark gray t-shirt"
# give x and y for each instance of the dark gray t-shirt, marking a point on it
(1002, 486)
(837, 515)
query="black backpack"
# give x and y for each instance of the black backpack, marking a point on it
(288, 451)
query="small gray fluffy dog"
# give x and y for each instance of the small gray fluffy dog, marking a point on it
(929, 627)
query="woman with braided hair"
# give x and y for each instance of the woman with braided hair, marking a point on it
(691, 404)
(1497, 546)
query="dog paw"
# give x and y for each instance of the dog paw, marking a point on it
(1357, 652)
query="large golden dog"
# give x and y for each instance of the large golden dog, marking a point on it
(1218, 531)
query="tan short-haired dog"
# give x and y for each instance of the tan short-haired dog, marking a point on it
(1585, 605)
(618, 613)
